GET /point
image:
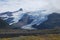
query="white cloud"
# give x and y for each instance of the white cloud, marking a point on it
(30, 5)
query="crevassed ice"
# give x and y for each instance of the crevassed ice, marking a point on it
(38, 16)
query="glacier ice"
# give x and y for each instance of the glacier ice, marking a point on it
(38, 17)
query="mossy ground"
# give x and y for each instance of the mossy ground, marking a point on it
(40, 37)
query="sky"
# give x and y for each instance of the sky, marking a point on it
(29, 5)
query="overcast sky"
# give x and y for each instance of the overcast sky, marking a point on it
(29, 5)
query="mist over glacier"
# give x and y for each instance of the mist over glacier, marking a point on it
(38, 9)
(38, 16)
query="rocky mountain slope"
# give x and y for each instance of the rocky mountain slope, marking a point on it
(52, 22)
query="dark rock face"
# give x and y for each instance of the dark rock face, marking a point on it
(9, 20)
(52, 22)
(3, 25)
(8, 13)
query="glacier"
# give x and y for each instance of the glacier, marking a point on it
(38, 17)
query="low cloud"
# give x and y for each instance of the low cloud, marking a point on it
(29, 5)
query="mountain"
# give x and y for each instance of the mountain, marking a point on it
(25, 19)
(52, 22)
(28, 20)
